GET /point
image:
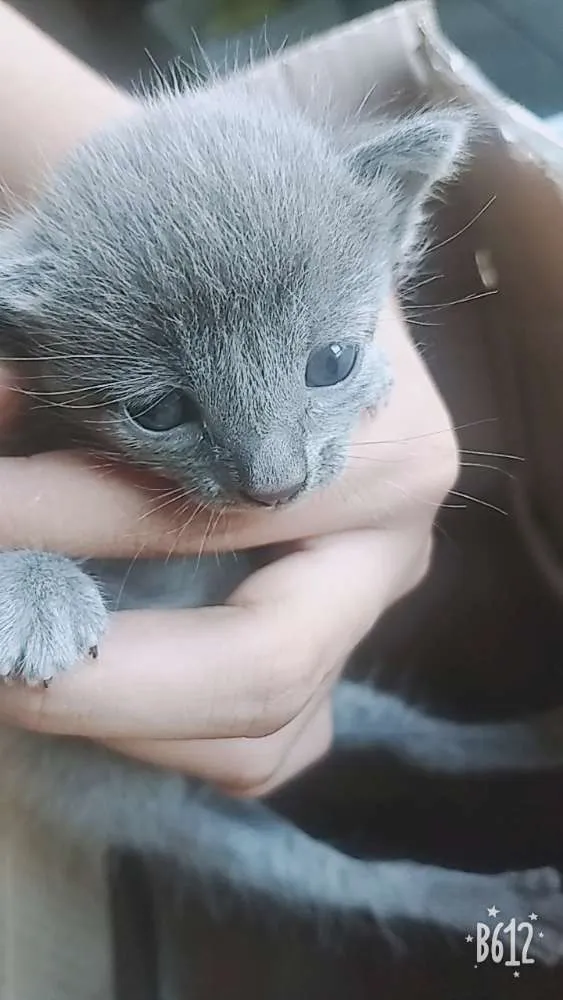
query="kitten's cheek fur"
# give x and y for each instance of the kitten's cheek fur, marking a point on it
(52, 616)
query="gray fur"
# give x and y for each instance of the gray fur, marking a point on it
(446, 747)
(208, 245)
(246, 846)
(52, 615)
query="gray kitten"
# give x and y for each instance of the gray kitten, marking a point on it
(197, 292)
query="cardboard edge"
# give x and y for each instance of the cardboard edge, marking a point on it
(438, 64)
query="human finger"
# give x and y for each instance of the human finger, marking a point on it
(245, 669)
(247, 767)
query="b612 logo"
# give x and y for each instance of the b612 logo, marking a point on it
(505, 942)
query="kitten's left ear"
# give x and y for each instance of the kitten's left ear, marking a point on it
(417, 151)
(413, 155)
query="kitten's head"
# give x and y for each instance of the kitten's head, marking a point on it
(202, 283)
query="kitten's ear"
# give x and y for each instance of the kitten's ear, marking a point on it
(413, 155)
(417, 152)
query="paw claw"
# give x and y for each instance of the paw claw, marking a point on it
(93, 652)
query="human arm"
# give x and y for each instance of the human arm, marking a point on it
(49, 101)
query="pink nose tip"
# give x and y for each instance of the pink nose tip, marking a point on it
(269, 498)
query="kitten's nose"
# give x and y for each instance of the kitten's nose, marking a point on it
(271, 497)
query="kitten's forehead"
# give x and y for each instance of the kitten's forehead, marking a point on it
(206, 233)
(213, 189)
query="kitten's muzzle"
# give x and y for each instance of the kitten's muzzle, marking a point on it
(269, 468)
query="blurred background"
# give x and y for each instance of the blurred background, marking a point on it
(518, 43)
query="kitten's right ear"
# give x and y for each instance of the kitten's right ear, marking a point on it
(417, 151)
(411, 156)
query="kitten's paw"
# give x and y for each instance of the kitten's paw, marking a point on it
(51, 616)
(535, 897)
(457, 901)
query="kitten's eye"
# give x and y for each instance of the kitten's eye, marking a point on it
(171, 411)
(330, 365)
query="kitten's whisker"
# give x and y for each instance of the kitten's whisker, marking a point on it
(447, 506)
(472, 297)
(128, 572)
(197, 510)
(420, 322)
(420, 437)
(492, 454)
(489, 468)
(216, 524)
(410, 289)
(480, 501)
(423, 500)
(166, 500)
(222, 512)
(207, 533)
(464, 229)
(42, 400)
(405, 458)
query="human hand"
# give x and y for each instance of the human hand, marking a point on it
(240, 695)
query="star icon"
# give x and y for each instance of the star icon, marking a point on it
(533, 916)
(492, 911)
(517, 975)
(469, 939)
